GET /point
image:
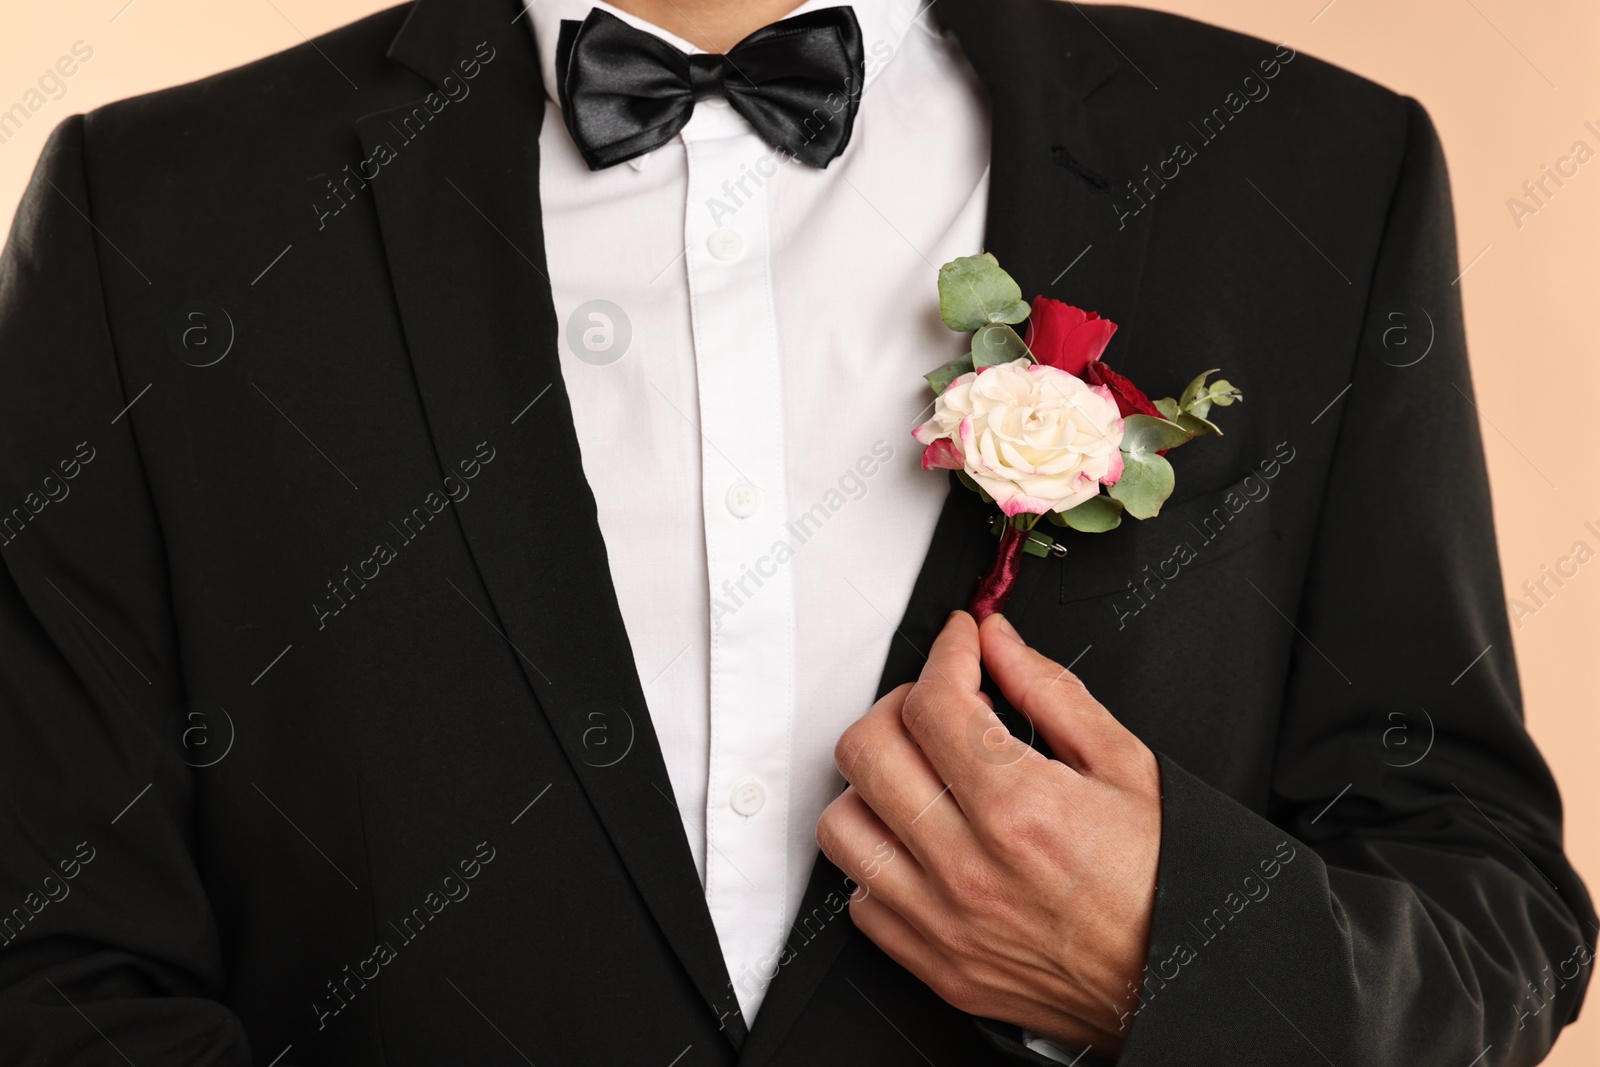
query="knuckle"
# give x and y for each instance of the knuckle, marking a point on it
(831, 828)
(917, 704)
(928, 698)
(972, 883)
(1020, 828)
(855, 747)
(870, 731)
(1063, 689)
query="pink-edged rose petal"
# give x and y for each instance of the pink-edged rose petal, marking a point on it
(1024, 505)
(1115, 471)
(941, 454)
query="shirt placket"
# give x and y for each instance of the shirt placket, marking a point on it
(744, 504)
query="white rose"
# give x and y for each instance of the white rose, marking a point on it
(1035, 438)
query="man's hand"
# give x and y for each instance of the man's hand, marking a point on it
(1023, 886)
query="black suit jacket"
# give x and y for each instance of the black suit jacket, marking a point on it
(321, 743)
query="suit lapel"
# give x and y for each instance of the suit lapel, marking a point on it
(1060, 220)
(459, 213)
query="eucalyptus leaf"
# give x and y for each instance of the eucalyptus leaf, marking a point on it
(1223, 393)
(1145, 484)
(1146, 433)
(1095, 515)
(1168, 407)
(1200, 396)
(1191, 393)
(940, 379)
(1197, 425)
(997, 343)
(973, 291)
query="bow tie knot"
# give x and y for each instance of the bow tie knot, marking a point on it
(705, 75)
(625, 92)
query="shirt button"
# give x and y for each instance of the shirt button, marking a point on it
(748, 796)
(725, 245)
(743, 499)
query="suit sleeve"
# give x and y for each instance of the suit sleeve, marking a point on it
(1406, 898)
(109, 952)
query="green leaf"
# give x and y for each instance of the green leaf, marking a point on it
(1192, 391)
(1146, 433)
(997, 343)
(1145, 484)
(1198, 397)
(940, 379)
(1223, 393)
(968, 481)
(1198, 426)
(1095, 515)
(1168, 407)
(973, 291)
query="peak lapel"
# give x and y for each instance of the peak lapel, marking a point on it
(459, 211)
(1054, 222)
(1062, 159)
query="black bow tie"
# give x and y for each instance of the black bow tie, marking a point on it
(625, 92)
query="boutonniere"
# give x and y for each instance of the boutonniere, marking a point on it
(1040, 425)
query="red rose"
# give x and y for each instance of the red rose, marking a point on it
(1130, 398)
(1065, 337)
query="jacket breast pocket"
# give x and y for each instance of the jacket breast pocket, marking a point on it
(1187, 535)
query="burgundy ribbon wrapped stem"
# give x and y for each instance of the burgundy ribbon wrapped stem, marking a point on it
(996, 586)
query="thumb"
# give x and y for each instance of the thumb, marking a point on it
(1076, 726)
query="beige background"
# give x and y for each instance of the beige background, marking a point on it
(1510, 84)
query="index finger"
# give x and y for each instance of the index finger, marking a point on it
(956, 657)
(953, 723)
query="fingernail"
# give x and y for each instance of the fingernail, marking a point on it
(1005, 627)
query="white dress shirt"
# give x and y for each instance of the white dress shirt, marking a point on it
(744, 340)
